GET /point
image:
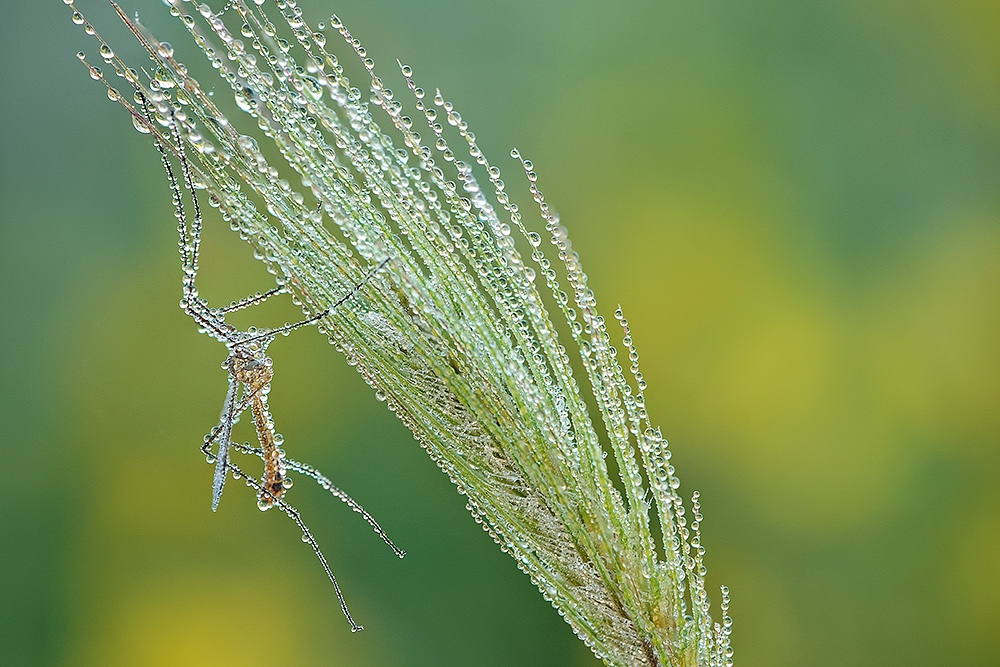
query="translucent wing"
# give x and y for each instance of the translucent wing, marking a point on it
(224, 436)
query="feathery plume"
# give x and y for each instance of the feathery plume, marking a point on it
(456, 333)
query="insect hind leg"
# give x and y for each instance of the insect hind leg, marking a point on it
(307, 535)
(326, 484)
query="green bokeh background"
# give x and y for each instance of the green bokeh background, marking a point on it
(798, 206)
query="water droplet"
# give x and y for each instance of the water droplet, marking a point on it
(165, 50)
(162, 77)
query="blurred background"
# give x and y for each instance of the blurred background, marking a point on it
(797, 205)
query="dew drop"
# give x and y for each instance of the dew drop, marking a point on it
(163, 78)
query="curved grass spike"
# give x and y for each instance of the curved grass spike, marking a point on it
(457, 335)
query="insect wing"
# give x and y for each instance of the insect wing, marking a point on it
(224, 437)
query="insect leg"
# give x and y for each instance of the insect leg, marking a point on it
(175, 190)
(193, 234)
(318, 316)
(307, 537)
(252, 300)
(294, 515)
(324, 481)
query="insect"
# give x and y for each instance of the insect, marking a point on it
(249, 368)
